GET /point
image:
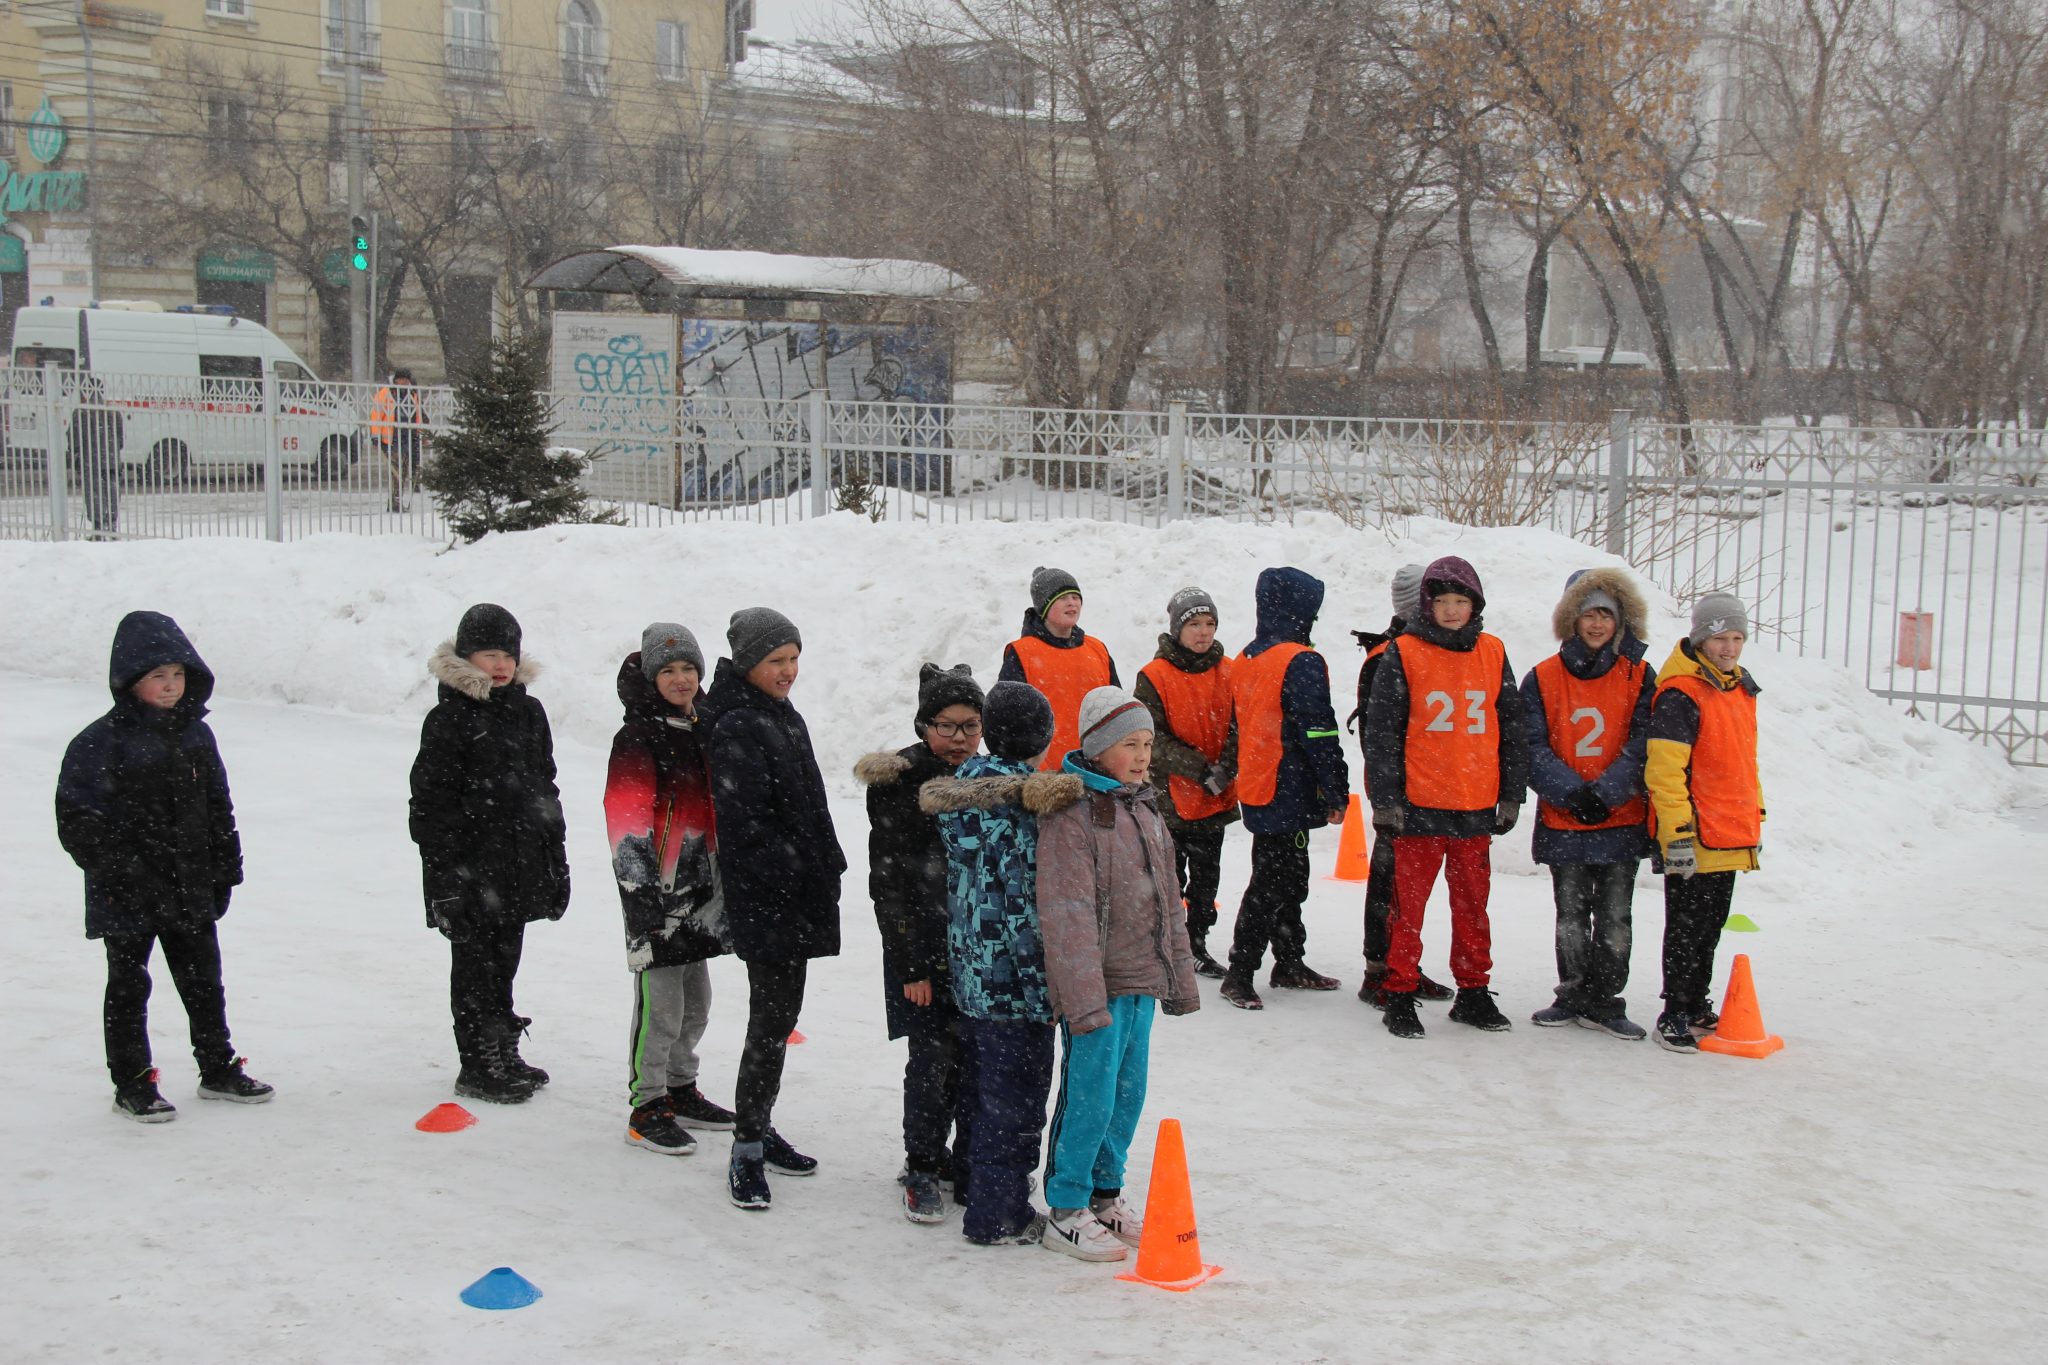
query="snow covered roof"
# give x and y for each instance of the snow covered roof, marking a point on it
(689, 272)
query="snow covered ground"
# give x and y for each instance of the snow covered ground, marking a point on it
(1873, 1192)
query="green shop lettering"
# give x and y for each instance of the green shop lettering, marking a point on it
(40, 191)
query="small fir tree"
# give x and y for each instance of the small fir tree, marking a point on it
(495, 470)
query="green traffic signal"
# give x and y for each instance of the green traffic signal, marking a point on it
(359, 252)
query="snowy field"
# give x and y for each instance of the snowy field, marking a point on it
(1875, 1192)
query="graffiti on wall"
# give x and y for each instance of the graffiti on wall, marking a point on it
(617, 374)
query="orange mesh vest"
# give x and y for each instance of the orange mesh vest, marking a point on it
(1065, 676)
(1198, 712)
(1255, 682)
(1722, 774)
(1589, 720)
(1453, 750)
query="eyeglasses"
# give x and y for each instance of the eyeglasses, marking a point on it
(956, 729)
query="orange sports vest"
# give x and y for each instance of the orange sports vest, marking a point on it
(1453, 750)
(1722, 772)
(1198, 712)
(1065, 676)
(1255, 682)
(1589, 723)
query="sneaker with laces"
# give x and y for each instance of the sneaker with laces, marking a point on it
(1620, 1026)
(231, 1083)
(653, 1127)
(138, 1099)
(1706, 1018)
(1115, 1213)
(780, 1156)
(1204, 964)
(1674, 1033)
(692, 1110)
(1299, 976)
(746, 1179)
(923, 1200)
(1554, 1016)
(1400, 1016)
(1475, 1007)
(1080, 1234)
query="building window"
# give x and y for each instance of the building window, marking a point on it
(739, 17)
(582, 49)
(227, 9)
(470, 51)
(672, 51)
(6, 119)
(227, 127)
(669, 177)
(580, 158)
(336, 57)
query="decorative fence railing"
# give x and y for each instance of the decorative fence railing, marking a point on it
(1919, 558)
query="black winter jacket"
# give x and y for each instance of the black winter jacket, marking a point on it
(485, 810)
(142, 798)
(907, 879)
(778, 855)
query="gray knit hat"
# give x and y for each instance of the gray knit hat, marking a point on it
(665, 643)
(1716, 612)
(1187, 604)
(1408, 591)
(756, 632)
(1049, 585)
(1598, 600)
(1107, 715)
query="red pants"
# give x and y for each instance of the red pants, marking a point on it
(1469, 873)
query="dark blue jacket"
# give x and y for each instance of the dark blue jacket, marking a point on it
(1313, 779)
(777, 851)
(142, 798)
(1552, 779)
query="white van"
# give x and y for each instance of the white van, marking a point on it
(188, 384)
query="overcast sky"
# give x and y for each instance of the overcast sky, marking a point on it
(797, 18)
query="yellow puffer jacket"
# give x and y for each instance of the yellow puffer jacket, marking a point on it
(1675, 725)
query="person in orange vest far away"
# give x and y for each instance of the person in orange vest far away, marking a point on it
(398, 424)
(1058, 658)
(1706, 805)
(1446, 762)
(1290, 778)
(1586, 709)
(1186, 687)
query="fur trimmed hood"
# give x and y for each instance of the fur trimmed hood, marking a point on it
(880, 768)
(1635, 611)
(450, 669)
(1039, 793)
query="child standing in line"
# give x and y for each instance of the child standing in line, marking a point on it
(780, 865)
(658, 820)
(487, 817)
(1057, 657)
(988, 819)
(1447, 762)
(1186, 687)
(1706, 805)
(1587, 712)
(907, 879)
(1116, 941)
(143, 809)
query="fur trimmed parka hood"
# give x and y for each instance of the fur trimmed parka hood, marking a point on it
(451, 670)
(881, 768)
(1039, 793)
(1635, 611)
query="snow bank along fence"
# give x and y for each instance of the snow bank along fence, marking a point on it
(1917, 557)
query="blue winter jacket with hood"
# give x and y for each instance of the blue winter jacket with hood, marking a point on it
(1313, 779)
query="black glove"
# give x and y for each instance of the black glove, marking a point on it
(1388, 818)
(1505, 815)
(1586, 807)
(451, 917)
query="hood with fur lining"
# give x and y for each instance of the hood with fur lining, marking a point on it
(1039, 793)
(447, 667)
(1635, 611)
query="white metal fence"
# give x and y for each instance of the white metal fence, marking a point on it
(1918, 558)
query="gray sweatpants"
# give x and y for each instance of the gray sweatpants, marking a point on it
(671, 1006)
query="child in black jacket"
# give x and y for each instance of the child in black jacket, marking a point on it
(143, 808)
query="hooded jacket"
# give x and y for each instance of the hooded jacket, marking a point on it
(1313, 779)
(485, 810)
(658, 821)
(1550, 776)
(1109, 903)
(907, 879)
(142, 796)
(779, 857)
(1173, 756)
(1673, 771)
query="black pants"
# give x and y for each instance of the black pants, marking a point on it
(1594, 935)
(97, 478)
(1271, 909)
(775, 997)
(938, 1090)
(194, 959)
(1695, 908)
(1013, 1080)
(480, 972)
(1379, 899)
(1198, 862)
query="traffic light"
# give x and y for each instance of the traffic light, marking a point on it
(359, 245)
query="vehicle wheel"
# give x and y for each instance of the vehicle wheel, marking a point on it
(170, 463)
(337, 454)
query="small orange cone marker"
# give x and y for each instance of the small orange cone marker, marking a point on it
(1169, 1253)
(1354, 858)
(446, 1118)
(796, 1037)
(1741, 1031)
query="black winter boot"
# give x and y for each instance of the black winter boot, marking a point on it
(486, 1075)
(138, 1099)
(1400, 1015)
(1239, 991)
(1431, 990)
(516, 1065)
(1475, 1006)
(235, 1085)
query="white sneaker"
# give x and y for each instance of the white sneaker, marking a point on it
(1080, 1234)
(1120, 1218)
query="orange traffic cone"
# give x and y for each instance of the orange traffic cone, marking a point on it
(445, 1118)
(1741, 1031)
(1354, 858)
(1170, 1254)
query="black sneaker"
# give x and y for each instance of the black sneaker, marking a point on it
(923, 1200)
(1239, 992)
(232, 1084)
(1297, 976)
(1674, 1033)
(1706, 1018)
(652, 1126)
(1204, 964)
(692, 1110)
(1475, 1007)
(139, 1100)
(1373, 989)
(746, 1182)
(1432, 990)
(490, 1083)
(1031, 1234)
(777, 1152)
(1400, 1017)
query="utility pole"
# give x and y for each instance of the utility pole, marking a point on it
(92, 160)
(358, 284)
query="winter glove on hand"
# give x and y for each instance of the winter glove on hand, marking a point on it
(1681, 859)
(1505, 815)
(1388, 818)
(1216, 781)
(452, 920)
(1586, 807)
